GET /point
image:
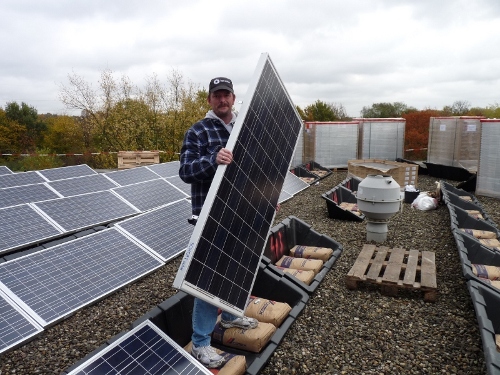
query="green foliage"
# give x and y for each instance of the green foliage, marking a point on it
(63, 135)
(41, 160)
(321, 111)
(103, 161)
(386, 110)
(458, 108)
(27, 116)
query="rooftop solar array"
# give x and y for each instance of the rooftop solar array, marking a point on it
(22, 225)
(222, 257)
(52, 283)
(150, 194)
(169, 169)
(82, 185)
(143, 350)
(18, 179)
(87, 210)
(164, 231)
(179, 184)
(5, 170)
(294, 184)
(15, 325)
(67, 172)
(132, 176)
(26, 194)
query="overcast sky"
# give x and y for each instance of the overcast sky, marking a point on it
(425, 53)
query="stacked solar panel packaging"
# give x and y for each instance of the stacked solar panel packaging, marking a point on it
(293, 231)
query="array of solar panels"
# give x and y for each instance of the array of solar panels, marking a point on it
(227, 243)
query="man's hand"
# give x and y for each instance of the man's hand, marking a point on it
(224, 156)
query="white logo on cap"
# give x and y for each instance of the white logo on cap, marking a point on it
(216, 81)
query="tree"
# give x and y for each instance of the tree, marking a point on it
(12, 135)
(492, 111)
(63, 135)
(417, 132)
(386, 110)
(458, 108)
(27, 116)
(321, 111)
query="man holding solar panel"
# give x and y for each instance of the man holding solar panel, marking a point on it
(202, 151)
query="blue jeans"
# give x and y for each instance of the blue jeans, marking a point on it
(204, 319)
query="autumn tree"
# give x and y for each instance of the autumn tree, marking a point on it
(12, 135)
(26, 116)
(322, 111)
(458, 108)
(386, 110)
(63, 135)
(417, 132)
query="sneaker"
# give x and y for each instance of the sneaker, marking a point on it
(207, 356)
(243, 323)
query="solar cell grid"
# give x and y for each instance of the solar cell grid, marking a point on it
(150, 194)
(82, 185)
(169, 169)
(221, 262)
(25, 194)
(294, 184)
(143, 350)
(164, 231)
(67, 172)
(84, 211)
(5, 170)
(22, 225)
(15, 325)
(179, 184)
(132, 176)
(57, 281)
(18, 179)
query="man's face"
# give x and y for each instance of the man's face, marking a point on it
(221, 102)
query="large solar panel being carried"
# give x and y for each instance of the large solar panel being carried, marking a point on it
(164, 231)
(18, 179)
(26, 194)
(16, 326)
(150, 194)
(132, 176)
(82, 185)
(166, 169)
(5, 170)
(52, 283)
(67, 172)
(85, 211)
(144, 350)
(222, 257)
(22, 225)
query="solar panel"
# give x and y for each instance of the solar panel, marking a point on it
(222, 257)
(179, 184)
(15, 325)
(143, 350)
(82, 185)
(18, 179)
(150, 194)
(294, 184)
(132, 176)
(67, 172)
(55, 282)
(26, 194)
(87, 210)
(164, 231)
(5, 170)
(169, 169)
(22, 225)
(284, 196)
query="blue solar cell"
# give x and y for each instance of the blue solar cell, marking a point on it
(169, 169)
(223, 254)
(25, 194)
(179, 184)
(294, 184)
(5, 170)
(57, 281)
(21, 226)
(132, 176)
(19, 179)
(150, 194)
(87, 210)
(67, 172)
(143, 350)
(149, 229)
(16, 326)
(82, 185)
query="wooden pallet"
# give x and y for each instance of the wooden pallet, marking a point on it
(394, 269)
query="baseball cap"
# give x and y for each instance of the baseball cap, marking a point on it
(220, 83)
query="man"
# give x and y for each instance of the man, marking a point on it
(202, 151)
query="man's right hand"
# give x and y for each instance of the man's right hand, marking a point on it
(224, 156)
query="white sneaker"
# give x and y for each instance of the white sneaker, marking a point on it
(243, 323)
(207, 356)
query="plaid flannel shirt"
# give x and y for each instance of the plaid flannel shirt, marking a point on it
(201, 144)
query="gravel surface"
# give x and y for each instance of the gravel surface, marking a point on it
(340, 331)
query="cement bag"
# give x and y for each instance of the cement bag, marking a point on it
(479, 233)
(486, 272)
(475, 214)
(300, 263)
(305, 276)
(425, 203)
(351, 207)
(494, 283)
(251, 340)
(233, 364)
(267, 311)
(492, 243)
(465, 198)
(311, 252)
